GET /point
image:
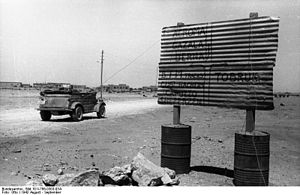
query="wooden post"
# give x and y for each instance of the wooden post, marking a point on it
(176, 114)
(253, 15)
(176, 108)
(250, 120)
(250, 113)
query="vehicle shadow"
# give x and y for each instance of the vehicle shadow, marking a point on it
(214, 170)
(69, 119)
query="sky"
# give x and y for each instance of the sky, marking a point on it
(61, 40)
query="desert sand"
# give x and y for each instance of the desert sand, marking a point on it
(133, 124)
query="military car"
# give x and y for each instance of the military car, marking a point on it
(66, 100)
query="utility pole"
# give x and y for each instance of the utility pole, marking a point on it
(101, 72)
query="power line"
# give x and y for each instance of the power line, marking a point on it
(131, 61)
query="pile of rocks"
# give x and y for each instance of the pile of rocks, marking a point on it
(141, 172)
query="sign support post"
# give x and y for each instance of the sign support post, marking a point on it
(176, 114)
(250, 120)
(250, 113)
(176, 108)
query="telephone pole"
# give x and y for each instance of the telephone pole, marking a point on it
(101, 72)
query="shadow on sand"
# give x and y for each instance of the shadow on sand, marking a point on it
(69, 119)
(214, 170)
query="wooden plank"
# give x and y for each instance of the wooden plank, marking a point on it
(236, 22)
(203, 65)
(208, 35)
(217, 38)
(204, 59)
(190, 33)
(259, 105)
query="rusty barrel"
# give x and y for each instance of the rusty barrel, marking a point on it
(176, 147)
(251, 159)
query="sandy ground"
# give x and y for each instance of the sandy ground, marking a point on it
(31, 147)
(26, 121)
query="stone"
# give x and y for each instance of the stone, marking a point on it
(106, 180)
(175, 181)
(118, 175)
(92, 168)
(166, 179)
(46, 167)
(73, 168)
(197, 138)
(156, 182)
(146, 173)
(86, 178)
(170, 172)
(49, 180)
(100, 183)
(193, 119)
(127, 168)
(65, 180)
(14, 173)
(28, 177)
(60, 172)
(17, 151)
(63, 163)
(34, 183)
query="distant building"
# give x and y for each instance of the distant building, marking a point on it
(56, 85)
(135, 90)
(112, 88)
(10, 85)
(79, 87)
(115, 88)
(26, 86)
(123, 88)
(151, 88)
(282, 94)
(48, 85)
(39, 85)
(146, 89)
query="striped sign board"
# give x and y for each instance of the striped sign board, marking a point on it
(224, 64)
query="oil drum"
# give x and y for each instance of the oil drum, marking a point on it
(176, 147)
(251, 159)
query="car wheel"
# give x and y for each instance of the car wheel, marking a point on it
(101, 112)
(45, 115)
(77, 114)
